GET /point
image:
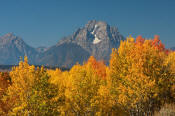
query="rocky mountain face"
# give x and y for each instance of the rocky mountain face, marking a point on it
(64, 55)
(12, 48)
(41, 49)
(96, 38)
(172, 48)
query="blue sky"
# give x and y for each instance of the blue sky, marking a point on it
(44, 22)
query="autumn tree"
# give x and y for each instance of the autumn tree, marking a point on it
(85, 90)
(82, 85)
(5, 82)
(30, 92)
(139, 74)
(139, 79)
(43, 97)
(170, 63)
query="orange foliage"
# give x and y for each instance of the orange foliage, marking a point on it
(140, 40)
(98, 66)
(4, 84)
(157, 43)
(4, 81)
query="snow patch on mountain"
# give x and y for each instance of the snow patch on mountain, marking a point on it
(96, 40)
(94, 29)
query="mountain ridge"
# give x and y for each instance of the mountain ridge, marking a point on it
(13, 47)
(96, 38)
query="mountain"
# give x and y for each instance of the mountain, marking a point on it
(12, 47)
(96, 38)
(41, 49)
(172, 48)
(64, 55)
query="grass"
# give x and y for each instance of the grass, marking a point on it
(166, 110)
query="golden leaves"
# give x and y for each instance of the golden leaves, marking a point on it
(139, 77)
(137, 69)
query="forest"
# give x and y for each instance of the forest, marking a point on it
(139, 81)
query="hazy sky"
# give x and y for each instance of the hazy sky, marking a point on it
(44, 22)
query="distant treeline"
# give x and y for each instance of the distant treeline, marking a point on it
(9, 67)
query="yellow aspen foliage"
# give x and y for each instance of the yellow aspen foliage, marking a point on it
(85, 89)
(139, 80)
(22, 78)
(170, 63)
(30, 92)
(43, 97)
(84, 84)
(61, 80)
(138, 72)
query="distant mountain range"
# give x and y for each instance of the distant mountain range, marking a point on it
(96, 38)
(173, 48)
(13, 47)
